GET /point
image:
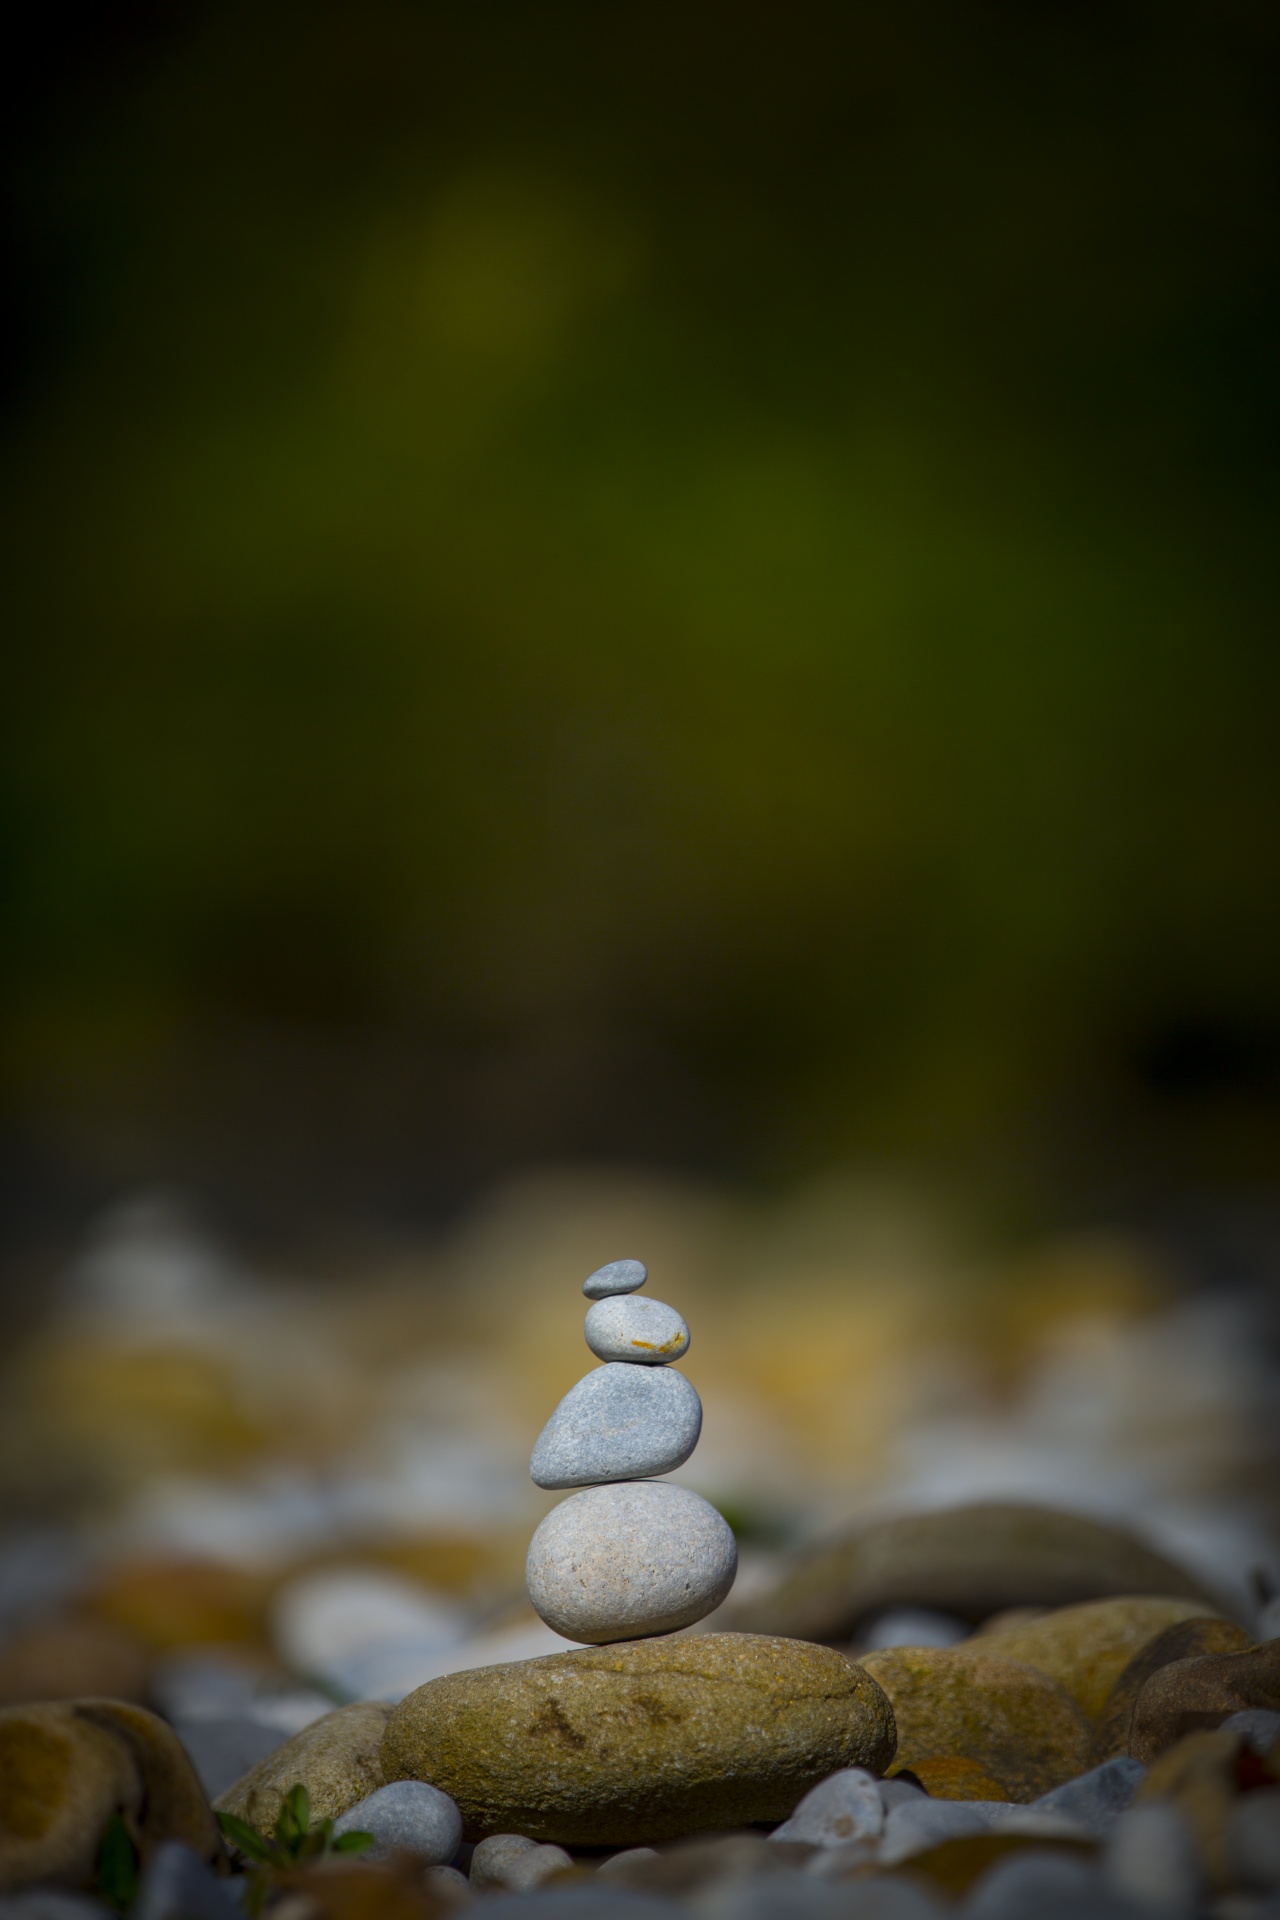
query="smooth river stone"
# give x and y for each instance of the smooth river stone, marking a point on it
(620, 1276)
(622, 1561)
(619, 1746)
(618, 1423)
(647, 1331)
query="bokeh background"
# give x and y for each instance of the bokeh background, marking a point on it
(635, 630)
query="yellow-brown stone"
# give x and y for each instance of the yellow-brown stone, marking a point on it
(1011, 1721)
(1086, 1648)
(338, 1759)
(641, 1741)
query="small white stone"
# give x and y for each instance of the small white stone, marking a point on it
(450, 1887)
(845, 1806)
(647, 1332)
(512, 1861)
(406, 1817)
(620, 1276)
(635, 1558)
(618, 1423)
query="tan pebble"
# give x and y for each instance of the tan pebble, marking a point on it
(337, 1759)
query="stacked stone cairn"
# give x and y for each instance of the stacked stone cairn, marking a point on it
(631, 1554)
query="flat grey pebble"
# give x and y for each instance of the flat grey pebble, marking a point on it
(1258, 1725)
(1097, 1798)
(635, 1558)
(619, 1276)
(619, 1423)
(406, 1817)
(1046, 1886)
(914, 1825)
(177, 1886)
(1150, 1859)
(1253, 1838)
(845, 1806)
(646, 1332)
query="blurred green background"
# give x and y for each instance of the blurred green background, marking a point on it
(686, 585)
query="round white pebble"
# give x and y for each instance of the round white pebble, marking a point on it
(623, 1561)
(620, 1276)
(647, 1332)
(406, 1817)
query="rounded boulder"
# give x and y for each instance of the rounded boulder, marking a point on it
(640, 1742)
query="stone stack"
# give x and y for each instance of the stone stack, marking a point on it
(630, 1554)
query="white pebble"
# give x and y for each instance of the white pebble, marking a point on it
(647, 1332)
(620, 1276)
(845, 1806)
(512, 1861)
(406, 1817)
(635, 1558)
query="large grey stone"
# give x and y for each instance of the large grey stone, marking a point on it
(646, 1332)
(619, 1276)
(619, 1423)
(408, 1816)
(623, 1561)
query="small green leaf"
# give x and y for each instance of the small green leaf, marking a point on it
(353, 1842)
(295, 1817)
(247, 1838)
(117, 1866)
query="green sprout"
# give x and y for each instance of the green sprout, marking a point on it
(295, 1841)
(117, 1873)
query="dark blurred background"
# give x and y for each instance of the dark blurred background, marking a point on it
(691, 586)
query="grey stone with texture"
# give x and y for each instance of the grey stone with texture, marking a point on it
(1096, 1799)
(619, 1423)
(646, 1332)
(845, 1806)
(635, 1558)
(406, 1817)
(620, 1276)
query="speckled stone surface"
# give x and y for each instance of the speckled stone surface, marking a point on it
(644, 1331)
(619, 1423)
(407, 1816)
(1016, 1725)
(620, 1276)
(638, 1557)
(619, 1745)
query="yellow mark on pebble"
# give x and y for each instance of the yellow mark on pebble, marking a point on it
(643, 1343)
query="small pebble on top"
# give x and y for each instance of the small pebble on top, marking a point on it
(619, 1276)
(646, 1332)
